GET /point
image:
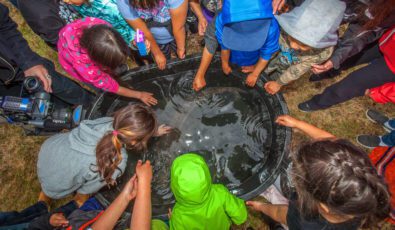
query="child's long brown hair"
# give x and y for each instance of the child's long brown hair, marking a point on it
(341, 176)
(380, 10)
(133, 126)
(105, 46)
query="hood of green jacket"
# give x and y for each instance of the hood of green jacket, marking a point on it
(190, 179)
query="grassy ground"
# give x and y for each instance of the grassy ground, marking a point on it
(18, 153)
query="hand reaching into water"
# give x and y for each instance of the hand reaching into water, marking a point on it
(162, 130)
(288, 121)
(147, 98)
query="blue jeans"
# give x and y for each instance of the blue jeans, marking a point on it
(25, 216)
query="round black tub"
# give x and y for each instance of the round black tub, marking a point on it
(230, 125)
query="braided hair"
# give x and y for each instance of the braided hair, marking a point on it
(133, 126)
(341, 176)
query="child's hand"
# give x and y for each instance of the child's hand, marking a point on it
(255, 205)
(226, 68)
(317, 69)
(130, 189)
(202, 26)
(147, 98)
(162, 130)
(277, 5)
(160, 60)
(198, 83)
(181, 53)
(251, 79)
(144, 172)
(367, 92)
(272, 87)
(288, 121)
(58, 220)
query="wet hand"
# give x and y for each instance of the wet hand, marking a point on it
(147, 98)
(226, 68)
(198, 83)
(41, 73)
(58, 220)
(144, 172)
(255, 205)
(272, 87)
(162, 130)
(288, 121)
(160, 60)
(317, 69)
(251, 79)
(129, 192)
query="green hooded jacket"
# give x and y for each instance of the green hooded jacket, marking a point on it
(199, 203)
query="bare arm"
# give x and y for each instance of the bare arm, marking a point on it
(160, 59)
(197, 10)
(117, 207)
(178, 18)
(141, 217)
(277, 212)
(146, 98)
(312, 131)
(259, 67)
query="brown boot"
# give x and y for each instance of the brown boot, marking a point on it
(81, 198)
(46, 199)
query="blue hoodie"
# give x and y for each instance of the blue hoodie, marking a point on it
(236, 11)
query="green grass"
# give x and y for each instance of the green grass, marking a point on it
(18, 153)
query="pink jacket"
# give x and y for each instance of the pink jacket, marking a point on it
(75, 60)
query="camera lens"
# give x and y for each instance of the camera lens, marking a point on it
(32, 84)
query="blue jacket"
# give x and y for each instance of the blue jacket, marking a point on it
(237, 11)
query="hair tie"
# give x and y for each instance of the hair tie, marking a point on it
(115, 133)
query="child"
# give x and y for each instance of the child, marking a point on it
(162, 22)
(93, 154)
(199, 203)
(91, 51)
(309, 34)
(245, 29)
(106, 10)
(337, 186)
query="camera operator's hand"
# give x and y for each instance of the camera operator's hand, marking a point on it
(41, 73)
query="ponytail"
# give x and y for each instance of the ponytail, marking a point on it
(133, 126)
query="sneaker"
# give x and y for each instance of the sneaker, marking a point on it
(370, 141)
(379, 118)
(306, 107)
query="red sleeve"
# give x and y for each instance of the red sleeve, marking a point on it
(384, 94)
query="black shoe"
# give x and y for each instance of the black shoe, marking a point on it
(370, 141)
(379, 118)
(326, 75)
(306, 107)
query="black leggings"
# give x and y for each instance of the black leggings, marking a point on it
(354, 85)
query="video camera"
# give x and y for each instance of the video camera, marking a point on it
(39, 110)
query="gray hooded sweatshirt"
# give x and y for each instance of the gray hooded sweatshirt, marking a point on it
(67, 161)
